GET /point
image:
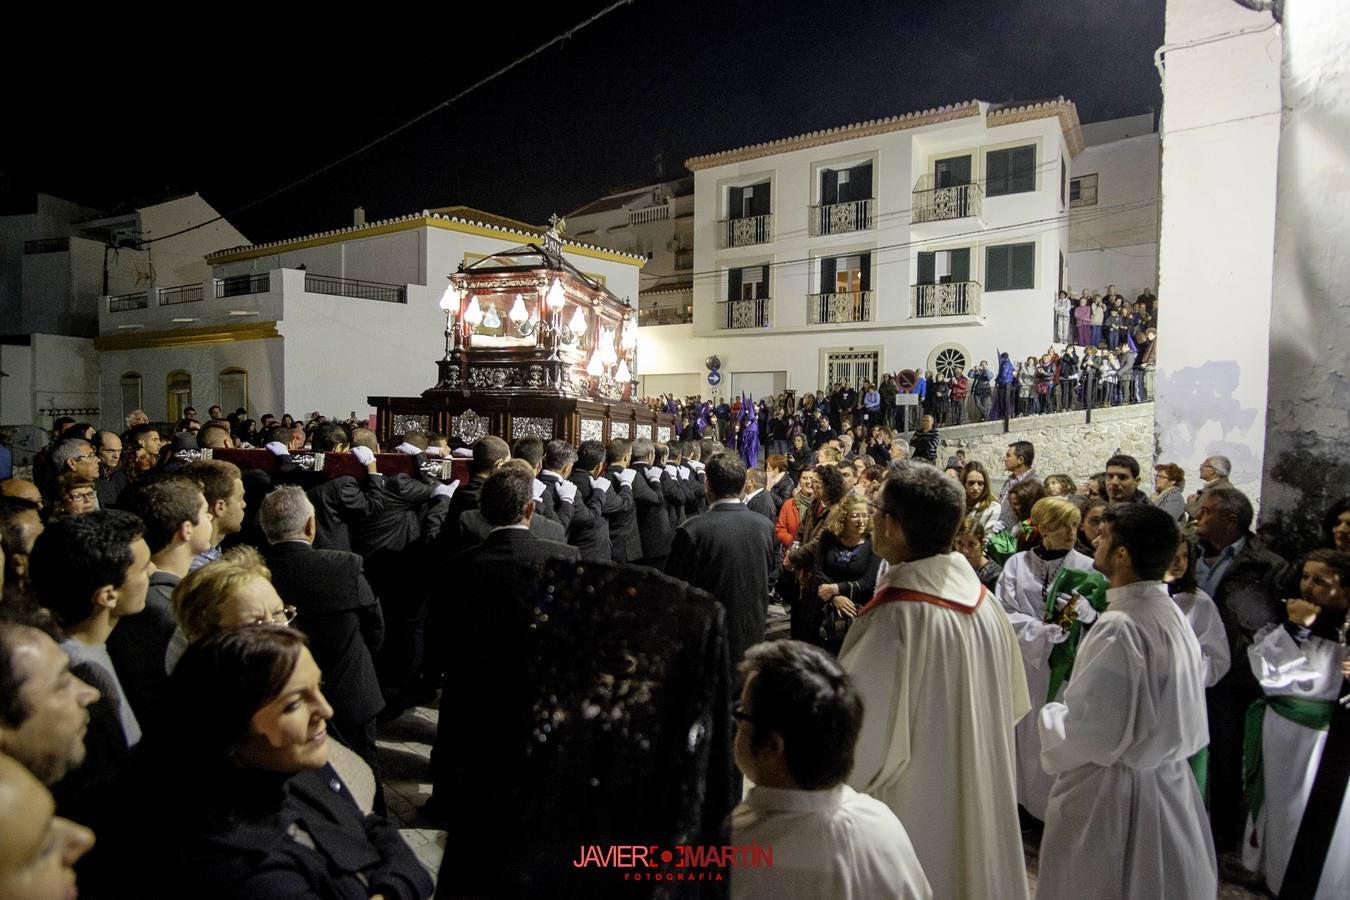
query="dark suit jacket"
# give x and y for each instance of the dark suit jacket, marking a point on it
(763, 503)
(551, 506)
(340, 501)
(474, 529)
(1250, 596)
(399, 523)
(653, 521)
(137, 646)
(511, 547)
(625, 541)
(729, 552)
(340, 615)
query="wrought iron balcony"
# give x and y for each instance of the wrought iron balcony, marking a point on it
(744, 313)
(125, 302)
(744, 232)
(937, 204)
(853, 306)
(841, 218)
(184, 293)
(243, 285)
(350, 287)
(954, 298)
(684, 260)
(665, 315)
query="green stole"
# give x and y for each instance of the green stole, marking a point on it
(1308, 713)
(1090, 585)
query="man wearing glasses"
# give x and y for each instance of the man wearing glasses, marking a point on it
(1214, 472)
(936, 663)
(75, 455)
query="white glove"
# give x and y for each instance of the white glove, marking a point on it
(433, 451)
(445, 490)
(696, 465)
(277, 448)
(407, 448)
(684, 474)
(537, 492)
(626, 476)
(653, 474)
(363, 455)
(600, 484)
(1086, 613)
(672, 471)
(567, 491)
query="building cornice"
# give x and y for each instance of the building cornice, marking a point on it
(187, 337)
(1064, 110)
(425, 219)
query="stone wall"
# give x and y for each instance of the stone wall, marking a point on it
(1064, 442)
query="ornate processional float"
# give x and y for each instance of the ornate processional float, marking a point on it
(533, 348)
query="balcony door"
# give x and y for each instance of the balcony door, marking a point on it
(846, 185)
(951, 172)
(944, 266)
(748, 201)
(846, 274)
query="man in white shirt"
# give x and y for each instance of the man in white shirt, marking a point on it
(936, 663)
(796, 726)
(1126, 818)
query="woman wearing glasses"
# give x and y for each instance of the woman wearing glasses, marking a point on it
(234, 590)
(244, 800)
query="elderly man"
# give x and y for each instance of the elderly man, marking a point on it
(336, 609)
(796, 726)
(936, 663)
(111, 479)
(1214, 472)
(1248, 584)
(75, 455)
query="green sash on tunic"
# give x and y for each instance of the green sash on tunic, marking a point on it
(1308, 713)
(1093, 587)
(1200, 769)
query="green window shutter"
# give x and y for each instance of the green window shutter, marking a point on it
(865, 271)
(960, 265)
(760, 203)
(996, 172)
(762, 289)
(733, 284)
(926, 268)
(1022, 266)
(1022, 176)
(734, 204)
(996, 269)
(828, 266)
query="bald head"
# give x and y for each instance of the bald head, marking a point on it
(21, 488)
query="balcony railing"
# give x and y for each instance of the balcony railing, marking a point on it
(665, 315)
(46, 245)
(124, 302)
(684, 260)
(350, 287)
(243, 285)
(745, 232)
(184, 293)
(744, 313)
(825, 309)
(937, 204)
(841, 218)
(648, 214)
(954, 298)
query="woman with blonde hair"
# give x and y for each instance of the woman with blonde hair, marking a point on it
(844, 570)
(234, 590)
(1024, 590)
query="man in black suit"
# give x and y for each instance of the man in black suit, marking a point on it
(337, 501)
(625, 541)
(506, 506)
(546, 503)
(585, 512)
(488, 454)
(474, 526)
(650, 495)
(336, 609)
(728, 551)
(594, 492)
(757, 499)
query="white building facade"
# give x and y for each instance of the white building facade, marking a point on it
(316, 323)
(929, 240)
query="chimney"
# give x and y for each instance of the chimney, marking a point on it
(359, 216)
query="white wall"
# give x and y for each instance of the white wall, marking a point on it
(1130, 268)
(1220, 133)
(1116, 241)
(1308, 417)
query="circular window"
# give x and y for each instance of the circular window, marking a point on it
(948, 360)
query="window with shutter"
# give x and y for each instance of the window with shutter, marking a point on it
(1010, 171)
(827, 271)
(733, 284)
(951, 172)
(927, 268)
(1010, 267)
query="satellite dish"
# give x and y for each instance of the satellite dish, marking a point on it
(906, 379)
(713, 363)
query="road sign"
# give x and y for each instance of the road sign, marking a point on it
(714, 378)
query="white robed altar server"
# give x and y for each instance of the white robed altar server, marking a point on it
(1200, 611)
(1302, 674)
(1125, 818)
(1022, 589)
(936, 663)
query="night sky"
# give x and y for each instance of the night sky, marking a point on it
(138, 110)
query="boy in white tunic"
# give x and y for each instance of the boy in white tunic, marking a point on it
(796, 726)
(936, 664)
(1126, 819)
(1301, 665)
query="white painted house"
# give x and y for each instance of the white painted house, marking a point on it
(1113, 206)
(317, 322)
(923, 240)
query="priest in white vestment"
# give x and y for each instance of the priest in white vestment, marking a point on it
(1301, 665)
(796, 726)
(1023, 589)
(936, 663)
(1125, 818)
